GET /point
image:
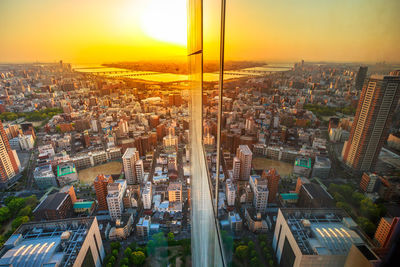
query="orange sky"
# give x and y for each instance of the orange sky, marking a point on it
(94, 31)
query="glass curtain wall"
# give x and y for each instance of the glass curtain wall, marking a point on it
(206, 249)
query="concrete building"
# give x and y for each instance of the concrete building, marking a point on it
(393, 141)
(259, 187)
(73, 242)
(360, 78)
(386, 228)
(321, 168)
(66, 174)
(236, 168)
(44, 177)
(174, 192)
(314, 237)
(273, 178)
(147, 196)
(115, 194)
(143, 227)
(8, 162)
(302, 166)
(371, 124)
(254, 221)
(230, 192)
(314, 196)
(235, 222)
(54, 207)
(139, 171)
(122, 228)
(100, 186)
(245, 155)
(129, 159)
(369, 182)
(26, 141)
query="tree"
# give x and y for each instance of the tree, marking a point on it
(127, 251)
(138, 257)
(15, 205)
(242, 252)
(115, 253)
(367, 226)
(159, 239)
(133, 245)
(18, 221)
(25, 211)
(4, 214)
(151, 247)
(115, 245)
(250, 245)
(31, 201)
(125, 260)
(255, 261)
(171, 237)
(263, 244)
(357, 198)
(111, 260)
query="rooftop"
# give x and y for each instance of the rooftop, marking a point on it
(51, 243)
(83, 205)
(66, 169)
(322, 231)
(303, 162)
(52, 202)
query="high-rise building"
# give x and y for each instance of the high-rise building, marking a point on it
(230, 192)
(8, 163)
(100, 186)
(259, 187)
(129, 159)
(369, 131)
(147, 196)
(115, 196)
(361, 76)
(273, 178)
(139, 171)
(175, 192)
(385, 230)
(245, 155)
(236, 168)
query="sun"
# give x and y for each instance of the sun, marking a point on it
(165, 20)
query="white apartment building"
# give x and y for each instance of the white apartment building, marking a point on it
(115, 193)
(259, 187)
(147, 196)
(230, 192)
(129, 159)
(245, 156)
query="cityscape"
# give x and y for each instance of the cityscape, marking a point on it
(183, 159)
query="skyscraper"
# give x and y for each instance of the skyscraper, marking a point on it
(377, 102)
(245, 156)
(8, 163)
(129, 159)
(100, 186)
(360, 78)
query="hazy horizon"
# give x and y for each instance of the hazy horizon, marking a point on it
(261, 30)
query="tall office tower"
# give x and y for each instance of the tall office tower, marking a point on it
(100, 186)
(245, 155)
(175, 192)
(147, 196)
(360, 78)
(273, 178)
(129, 159)
(230, 192)
(259, 187)
(115, 196)
(236, 168)
(8, 162)
(369, 131)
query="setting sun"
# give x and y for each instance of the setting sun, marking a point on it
(165, 21)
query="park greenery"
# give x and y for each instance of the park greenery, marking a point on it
(37, 115)
(16, 211)
(321, 110)
(250, 253)
(157, 248)
(366, 213)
